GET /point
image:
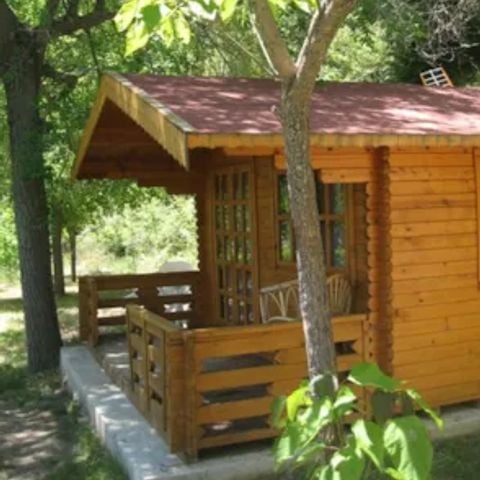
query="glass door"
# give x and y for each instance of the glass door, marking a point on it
(235, 247)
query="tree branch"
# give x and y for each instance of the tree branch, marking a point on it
(271, 40)
(51, 9)
(323, 26)
(73, 22)
(9, 24)
(68, 79)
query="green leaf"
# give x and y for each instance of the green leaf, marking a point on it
(316, 416)
(369, 438)
(347, 464)
(309, 454)
(344, 402)
(227, 9)
(137, 37)
(421, 402)
(125, 16)
(370, 375)
(296, 400)
(287, 444)
(408, 447)
(383, 405)
(182, 28)
(167, 30)
(277, 411)
(151, 17)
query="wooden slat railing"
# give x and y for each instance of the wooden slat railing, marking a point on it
(211, 387)
(102, 299)
(240, 370)
(156, 349)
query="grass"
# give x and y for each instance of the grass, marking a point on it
(85, 458)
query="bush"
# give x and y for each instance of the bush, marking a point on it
(392, 441)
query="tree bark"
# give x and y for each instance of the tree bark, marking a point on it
(72, 236)
(57, 253)
(310, 257)
(21, 83)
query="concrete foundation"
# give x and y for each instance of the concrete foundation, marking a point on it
(129, 437)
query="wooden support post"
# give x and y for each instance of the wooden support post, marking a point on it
(191, 437)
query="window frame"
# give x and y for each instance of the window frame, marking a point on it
(347, 217)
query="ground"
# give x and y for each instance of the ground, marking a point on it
(42, 434)
(43, 437)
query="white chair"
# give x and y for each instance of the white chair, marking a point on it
(280, 303)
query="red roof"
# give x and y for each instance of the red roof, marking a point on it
(239, 105)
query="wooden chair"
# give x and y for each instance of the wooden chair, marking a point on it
(280, 303)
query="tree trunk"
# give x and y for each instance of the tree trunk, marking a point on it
(72, 236)
(30, 204)
(57, 252)
(310, 251)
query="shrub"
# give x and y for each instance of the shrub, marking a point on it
(317, 444)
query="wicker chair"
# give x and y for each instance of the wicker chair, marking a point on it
(279, 303)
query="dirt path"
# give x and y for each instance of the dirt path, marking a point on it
(34, 440)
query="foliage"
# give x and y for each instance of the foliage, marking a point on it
(141, 238)
(393, 442)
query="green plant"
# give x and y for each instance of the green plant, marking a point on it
(316, 444)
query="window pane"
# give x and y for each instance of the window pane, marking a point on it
(337, 198)
(283, 203)
(220, 249)
(246, 218)
(239, 250)
(285, 241)
(245, 185)
(238, 218)
(226, 218)
(221, 280)
(339, 254)
(236, 186)
(218, 218)
(248, 252)
(321, 197)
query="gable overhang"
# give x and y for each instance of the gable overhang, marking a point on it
(159, 124)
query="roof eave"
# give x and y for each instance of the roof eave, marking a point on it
(275, 140)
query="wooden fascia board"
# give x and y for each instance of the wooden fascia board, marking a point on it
(168, 129)
(250, 140)
(88, 130)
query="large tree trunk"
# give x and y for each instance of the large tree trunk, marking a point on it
(30, 205)
(310, 251)
(72, 236)
(57, 253)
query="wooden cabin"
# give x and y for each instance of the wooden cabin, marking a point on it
(398, 178)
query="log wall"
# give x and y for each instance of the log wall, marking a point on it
(435, 294)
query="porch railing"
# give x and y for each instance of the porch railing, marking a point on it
(211, 387)
(102, 299)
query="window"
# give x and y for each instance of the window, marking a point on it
(332, 203)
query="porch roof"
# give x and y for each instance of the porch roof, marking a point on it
(156, 121)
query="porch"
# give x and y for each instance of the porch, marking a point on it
(200, 386)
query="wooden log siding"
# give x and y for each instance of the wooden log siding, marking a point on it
(214, 386)
(99, 296)
(434, 281)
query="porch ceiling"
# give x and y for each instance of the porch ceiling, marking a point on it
(145, 123)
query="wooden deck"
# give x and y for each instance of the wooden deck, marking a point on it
(209, 387)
